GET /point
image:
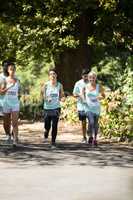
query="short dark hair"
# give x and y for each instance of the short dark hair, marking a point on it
(85, 71)
(5, 63)
(5, 70)
(52, 70)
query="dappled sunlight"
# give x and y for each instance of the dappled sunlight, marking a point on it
(31, 151)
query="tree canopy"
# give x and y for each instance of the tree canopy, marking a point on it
(47, 26)
(73, 34)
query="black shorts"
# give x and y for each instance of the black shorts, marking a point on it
(52, 113)
(82, 115)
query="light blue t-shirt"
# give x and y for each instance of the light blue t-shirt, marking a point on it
(78, 88)
(3, 97)
(11, 96)
(92, 103)
(52, 94)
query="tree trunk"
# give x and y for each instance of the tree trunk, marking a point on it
(71, 61)
(70, 65)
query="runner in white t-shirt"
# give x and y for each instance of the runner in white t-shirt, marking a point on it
(77, 92)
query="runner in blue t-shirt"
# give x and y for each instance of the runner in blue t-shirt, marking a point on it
(77, 92)
(11, 101)
(93, 92)
(3, 76)
(52, 92)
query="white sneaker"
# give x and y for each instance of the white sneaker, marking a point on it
(53, 147)
(15, 142)
(45, 140)
(84, 140)
(9, 140)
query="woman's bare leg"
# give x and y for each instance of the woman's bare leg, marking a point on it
(7, 124)
(15, 116)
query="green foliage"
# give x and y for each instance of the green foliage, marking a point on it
(116, 71)
(8, 41)
(117, 120)
(32, 33)
(69, 110)
(47, 27)
(128, 88)
(31, 101)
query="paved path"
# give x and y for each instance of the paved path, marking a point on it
(74, 171)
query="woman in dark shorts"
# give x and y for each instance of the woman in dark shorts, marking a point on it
(52, 92)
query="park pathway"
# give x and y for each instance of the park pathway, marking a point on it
(73, 171)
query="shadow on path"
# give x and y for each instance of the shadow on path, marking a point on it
(67, 153)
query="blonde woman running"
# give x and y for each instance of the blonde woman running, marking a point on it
(93, 93)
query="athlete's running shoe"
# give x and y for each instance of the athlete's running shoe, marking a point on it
(84, 140)
(95, 142)
(90, 141)
(53, 146)
(15, 141)
(9, 140)
(45, 140)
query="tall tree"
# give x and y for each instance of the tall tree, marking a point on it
(69, 31)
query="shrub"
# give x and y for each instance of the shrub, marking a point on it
(116, 118)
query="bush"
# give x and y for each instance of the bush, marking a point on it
(69, 110)
(116, 118)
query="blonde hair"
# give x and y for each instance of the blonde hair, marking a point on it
(92, 73)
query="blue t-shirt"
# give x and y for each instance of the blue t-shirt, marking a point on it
(92, 103)
(78, 88)
(52, 94)
(11, 96)
(3, 97)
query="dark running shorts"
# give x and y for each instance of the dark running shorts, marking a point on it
(52, 113)
(82, 115)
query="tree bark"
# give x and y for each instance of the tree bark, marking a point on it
(71, 61)
(70, 65)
